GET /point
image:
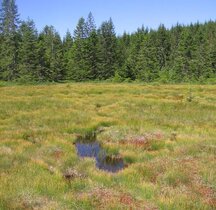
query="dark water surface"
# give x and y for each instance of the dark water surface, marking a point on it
(104, 162)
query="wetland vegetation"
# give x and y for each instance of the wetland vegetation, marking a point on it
(164, 133)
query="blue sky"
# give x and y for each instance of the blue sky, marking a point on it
(127, 15)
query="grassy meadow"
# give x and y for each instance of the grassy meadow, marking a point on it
(166, 135)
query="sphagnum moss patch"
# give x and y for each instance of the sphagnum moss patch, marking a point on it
(167, 142)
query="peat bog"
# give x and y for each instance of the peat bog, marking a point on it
(167, 140)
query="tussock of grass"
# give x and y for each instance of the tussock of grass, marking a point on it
(165, 133)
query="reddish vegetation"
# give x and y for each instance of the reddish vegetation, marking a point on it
(142, 141)
(198, 186)
(208, 194)
(126, 199)
(58, 153)
(130, 202)
(106, 197)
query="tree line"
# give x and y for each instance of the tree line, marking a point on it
(183, 53)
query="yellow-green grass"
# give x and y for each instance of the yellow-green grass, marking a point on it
(165, 133)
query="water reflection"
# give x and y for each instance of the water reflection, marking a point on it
(104, 162)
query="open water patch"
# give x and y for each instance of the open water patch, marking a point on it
(93, 149)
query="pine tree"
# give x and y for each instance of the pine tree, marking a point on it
(9, 21)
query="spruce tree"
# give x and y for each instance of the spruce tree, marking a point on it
(123, 46)
(129, 69)
(91, 48)
(183, 55)
(210, 37)
(27, 52)
(90, 25)
(9, 22)
(162, 43)
(77, 67)
(67, 42)
(50, 51)
(108, 50)
(147, 66)
(67, 45)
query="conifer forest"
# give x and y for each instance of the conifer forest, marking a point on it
(183, 53)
